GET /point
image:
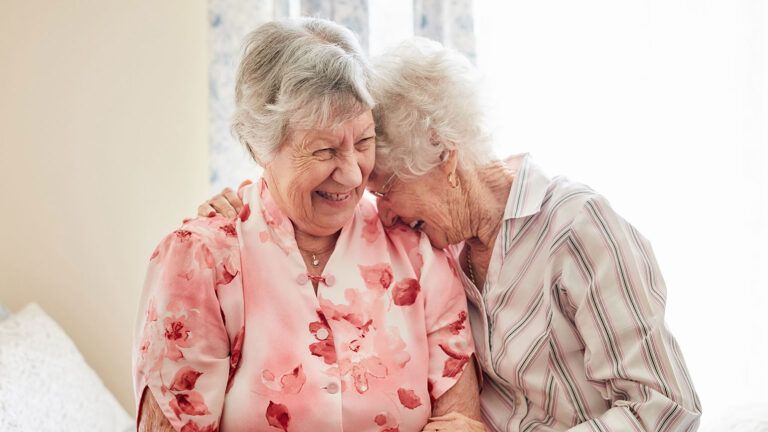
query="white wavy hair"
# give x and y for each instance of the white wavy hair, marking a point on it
(427, 104)
(297, 73)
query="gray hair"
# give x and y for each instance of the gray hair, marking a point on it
(297, 73)
(428, 103)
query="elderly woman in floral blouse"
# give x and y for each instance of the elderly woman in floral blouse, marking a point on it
(566, 299)
(303, 314)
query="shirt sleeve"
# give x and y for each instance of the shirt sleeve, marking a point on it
(448, 333)
(181, 346)
(631, 357)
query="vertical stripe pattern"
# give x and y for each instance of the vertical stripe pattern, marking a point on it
(573, 316)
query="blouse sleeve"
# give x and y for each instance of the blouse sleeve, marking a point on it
(182, 349)
(448, 333)
(630, 355)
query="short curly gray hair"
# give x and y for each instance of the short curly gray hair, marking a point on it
(297, 73)
(427, 103)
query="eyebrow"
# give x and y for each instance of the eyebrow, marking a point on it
(370, 126)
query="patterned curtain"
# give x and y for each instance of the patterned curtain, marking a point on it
(450, 22)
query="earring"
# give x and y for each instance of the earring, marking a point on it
(453, 180)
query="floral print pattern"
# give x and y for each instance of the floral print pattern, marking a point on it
(233, 337)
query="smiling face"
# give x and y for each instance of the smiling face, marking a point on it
(318, 176)
(427, 203)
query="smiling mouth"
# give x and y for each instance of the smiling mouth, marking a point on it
(417, 225)
(337, 197)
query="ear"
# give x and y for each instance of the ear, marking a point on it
(450, 161)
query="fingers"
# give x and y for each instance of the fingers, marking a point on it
(205, 210)
(234, 200)
(242, 185)
(221, 204)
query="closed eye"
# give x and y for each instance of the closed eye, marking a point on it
(364, 143)
(324, 154)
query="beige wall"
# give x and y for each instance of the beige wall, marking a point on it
(102, 150)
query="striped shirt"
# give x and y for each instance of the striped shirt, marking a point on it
(569, 327)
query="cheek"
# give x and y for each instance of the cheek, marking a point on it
(366, 162)
(305, 178)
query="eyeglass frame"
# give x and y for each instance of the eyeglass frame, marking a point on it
(386, 188)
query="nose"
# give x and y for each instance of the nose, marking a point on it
(387, 216)
(348, 172)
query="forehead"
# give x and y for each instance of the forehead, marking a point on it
(357, 125)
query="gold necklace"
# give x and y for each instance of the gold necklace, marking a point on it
(315, 259)
(469, 267)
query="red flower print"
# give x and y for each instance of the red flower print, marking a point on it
(293, 381)
(430, 387)
(226, 272)
(229, 229)
(176, 335)
(182, 235)
(408, 398)
(191, 426)
(377, 276)
(245, 213)
(234, 356)
(390, 348)
(455, 363)
(405, 292)
(380, 419)
(185, 379)
(371, 229)
(190, 403)
(360, 371)
(278, 416)
(458, 325)
(323, 348)
(384, 419)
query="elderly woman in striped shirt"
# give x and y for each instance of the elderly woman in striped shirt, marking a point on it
(566, 299)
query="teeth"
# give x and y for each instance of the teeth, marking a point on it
(334, 196)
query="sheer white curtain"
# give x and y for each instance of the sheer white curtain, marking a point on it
(660, 106)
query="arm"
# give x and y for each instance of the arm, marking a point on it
(152, 418)
(181, 351)
(452, 370)
(459, 408)
(463, 397)
(613, 280)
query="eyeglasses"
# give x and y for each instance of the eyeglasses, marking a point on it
(386, 188)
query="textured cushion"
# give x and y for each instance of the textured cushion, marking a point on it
(45, 384)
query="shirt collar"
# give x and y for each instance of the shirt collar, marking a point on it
(528, 189)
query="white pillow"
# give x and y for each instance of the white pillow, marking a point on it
(46, 385)
(745, 417)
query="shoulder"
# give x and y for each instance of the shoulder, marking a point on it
(201, 243)
(567, 202)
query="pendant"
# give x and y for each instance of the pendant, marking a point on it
(315, 261)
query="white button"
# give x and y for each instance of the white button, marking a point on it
(330, 280)
(322, 334)
(302, 279)
(332, 388)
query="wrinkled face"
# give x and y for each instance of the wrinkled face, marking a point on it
(423, 202)
(318, 176)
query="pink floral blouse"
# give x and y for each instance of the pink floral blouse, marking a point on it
(232, 337)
